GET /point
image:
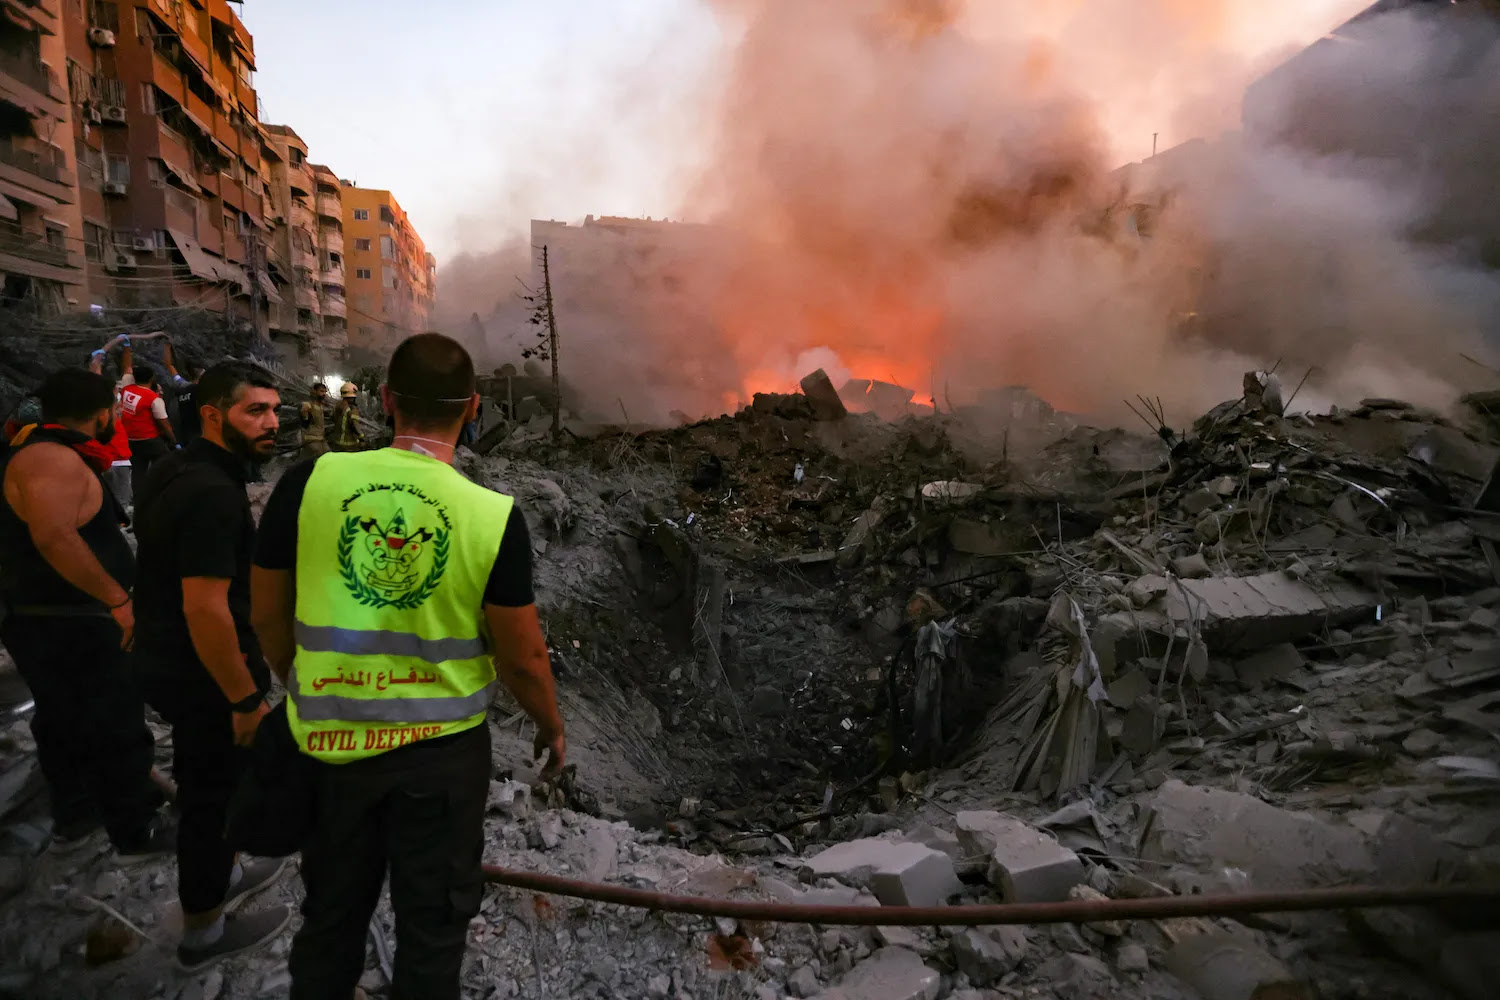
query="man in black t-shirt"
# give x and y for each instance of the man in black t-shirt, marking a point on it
(197, 655)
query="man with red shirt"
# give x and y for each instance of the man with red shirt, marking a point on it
(143, 412)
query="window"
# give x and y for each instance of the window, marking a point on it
(362, 244)
(294, 156)
(387, 248)
(90, 165)
(57, 236)
(362, 272)
(367, 331)
(94, 239)
(116, 168)
(231, 224)
(105, 15)
(156, 172)
(362, 215)
(386, 215)
(148, 98)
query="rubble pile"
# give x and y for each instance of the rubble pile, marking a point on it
(809, 654)
(32, 347)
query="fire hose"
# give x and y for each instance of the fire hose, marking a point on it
(1078, 911)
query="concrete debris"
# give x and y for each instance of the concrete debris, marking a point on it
(889, 974)
(1275, 848)
(986, 954)
(1025, 864)
(824, 398)
(1131, 957)
(1231, 967)
(1244, 613)
(897, 872)
(1275, 662)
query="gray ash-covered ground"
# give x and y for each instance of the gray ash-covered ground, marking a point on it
(1258, 653)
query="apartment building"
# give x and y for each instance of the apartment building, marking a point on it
(328, 205)
(169, 147)
(392, 279)
(41, 233)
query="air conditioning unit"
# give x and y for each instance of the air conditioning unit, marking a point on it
(147, 243)
(115, 187)
(113, 113)
(102, 37)
(117, 260)
(94, 115)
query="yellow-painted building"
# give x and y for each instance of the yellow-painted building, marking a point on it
(389, 275)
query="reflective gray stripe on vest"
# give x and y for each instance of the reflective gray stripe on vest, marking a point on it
(378, 642)
(339, 708)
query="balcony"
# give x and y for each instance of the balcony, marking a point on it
(307, 298)
(330, 206)
(26, 81)
(302, 217)
(333, 305)
(40, 170)
(30, 254)
(330, 239)
(304, 259)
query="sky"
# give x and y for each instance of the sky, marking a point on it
(482, 114)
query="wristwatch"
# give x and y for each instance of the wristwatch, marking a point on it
(249, 703)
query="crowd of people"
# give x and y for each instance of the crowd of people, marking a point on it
(387, 594)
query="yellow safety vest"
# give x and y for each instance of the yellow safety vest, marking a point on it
(393, 553)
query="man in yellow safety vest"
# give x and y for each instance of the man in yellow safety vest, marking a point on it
(390, 594)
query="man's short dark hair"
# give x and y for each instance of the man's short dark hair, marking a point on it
(75, 394)
(220, 385)
(144, 375)
(432, 379)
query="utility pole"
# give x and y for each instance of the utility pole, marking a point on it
(552, 345)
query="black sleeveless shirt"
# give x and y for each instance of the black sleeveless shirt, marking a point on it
(26, 578)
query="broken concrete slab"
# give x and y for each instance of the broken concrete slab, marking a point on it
(1231, 967)
(859, 537)
(1193, 567)
(1026, 865)
(1404, 851)
(985, 954)
(1272, 663)
(899, 873)
(1278, 849)
(1251, 612)
(819, 390)
(1200, 500)
(1146, 589)
(889, 974)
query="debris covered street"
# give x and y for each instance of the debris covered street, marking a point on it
(926, 548)
(1257, 653)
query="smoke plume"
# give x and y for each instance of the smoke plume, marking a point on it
(929, 193)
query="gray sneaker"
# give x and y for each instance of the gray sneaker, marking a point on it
(254, 877)
(242, 932)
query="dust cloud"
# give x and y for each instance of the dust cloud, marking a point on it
(930, 192)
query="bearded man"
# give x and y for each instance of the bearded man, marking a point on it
(196, 654)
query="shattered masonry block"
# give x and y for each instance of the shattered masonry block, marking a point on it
(889, 974)
(1278, 849)
(1271, 663)
(1231, 966)
(1245, 613)
(897, 872)
(819, 390)
(1026, 865)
